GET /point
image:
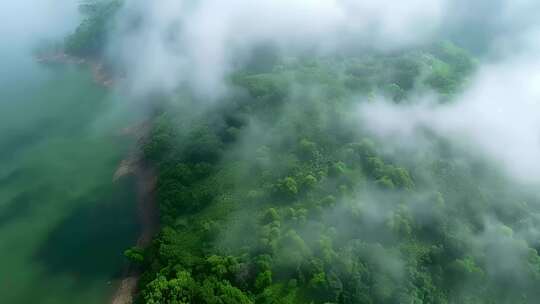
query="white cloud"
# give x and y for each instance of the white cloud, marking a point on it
(497, 116)
(197, 42)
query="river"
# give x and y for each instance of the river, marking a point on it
(64, 223)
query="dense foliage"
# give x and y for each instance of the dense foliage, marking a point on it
(89, 38)
(277, 195)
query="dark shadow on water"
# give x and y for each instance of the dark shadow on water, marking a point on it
(90, 242)
(14, 142)
(19, 207)
(22, 204)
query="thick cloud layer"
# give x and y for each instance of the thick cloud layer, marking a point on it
(164, 44)
(177, 41)
(485, 25)
(498, 115)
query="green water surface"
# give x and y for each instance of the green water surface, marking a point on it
(63, 223)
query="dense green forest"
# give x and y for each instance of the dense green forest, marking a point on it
(277, 194)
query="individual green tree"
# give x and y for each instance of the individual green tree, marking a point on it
(271, 215)
(307, 149)
(213, 291)
(179, 290)
(135, 255)
(287, 187)
(263, 280)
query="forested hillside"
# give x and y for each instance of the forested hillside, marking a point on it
(90, 36)
(278, 196)
(278, 193)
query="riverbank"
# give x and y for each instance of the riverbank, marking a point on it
(64, 224)
(99, 71)
(146, 179)
(131, 165)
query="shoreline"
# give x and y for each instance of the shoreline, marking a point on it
(132, 165)
(97, 68)
(147, 211)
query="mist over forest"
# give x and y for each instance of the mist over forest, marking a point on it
(330, 151)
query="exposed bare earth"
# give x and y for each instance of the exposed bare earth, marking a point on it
(148, 217)
(124, 294)
(146, 208)
(127, 167)
(99, 73)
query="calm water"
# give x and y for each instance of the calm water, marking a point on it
(63, 223)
